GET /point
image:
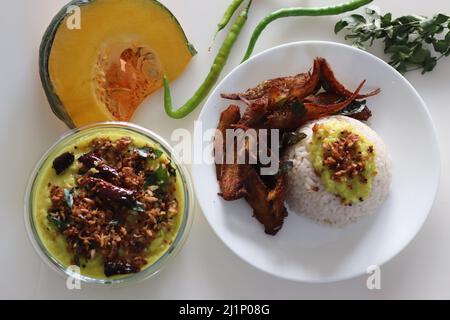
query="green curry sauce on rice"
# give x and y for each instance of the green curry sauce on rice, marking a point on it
(340, 172)
(344, 159)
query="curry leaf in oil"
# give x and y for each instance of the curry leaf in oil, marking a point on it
(149, 153)
(291, 138)
(353, 108)
(68, 197)
(158, 177)
(299, 108)
(143, 152)
(285, 166)
(57, 222)
(138, 207)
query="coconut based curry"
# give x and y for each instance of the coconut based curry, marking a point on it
(344, 160)
(110, 203)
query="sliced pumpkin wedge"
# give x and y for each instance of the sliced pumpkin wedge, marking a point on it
(106, 68)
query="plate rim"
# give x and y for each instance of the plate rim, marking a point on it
(434, 146)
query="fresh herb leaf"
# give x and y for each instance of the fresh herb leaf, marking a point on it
(386, 20)
(412, 42)
(420, 55)
(441, 18)
(429, 26)
(429, 64)
(341, 24)
(68, 197)
(441, 46)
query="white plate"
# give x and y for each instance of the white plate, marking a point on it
(302, 250)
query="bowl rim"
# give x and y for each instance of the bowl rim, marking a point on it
(162, 261)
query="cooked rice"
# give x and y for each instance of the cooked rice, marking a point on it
(306, 193)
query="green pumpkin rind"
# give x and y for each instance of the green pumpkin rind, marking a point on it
(46, 47)
(44, 55)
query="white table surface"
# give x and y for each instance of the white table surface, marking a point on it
(205, 268)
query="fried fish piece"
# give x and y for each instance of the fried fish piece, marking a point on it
(230, 175)
(333, 85)
(268, 205)
(323, 98)
(232, 181)
(283, 83)
(283, 103)
(330, 98)
(316, 111)
(310, 86)
(288, 119)
(228, 117)
(274, 93)
(285, 119)
(254, 113)
(298, 86)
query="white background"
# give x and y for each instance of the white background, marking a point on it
(205, 268)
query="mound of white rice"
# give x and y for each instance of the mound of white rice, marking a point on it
(306, 194)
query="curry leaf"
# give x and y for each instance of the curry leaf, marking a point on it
(57, 222)
(143, 152)
(149, 153)
(299, 108)
(412, 42)
(158, 153)
(441, 45)
(386, 20)
(138, 207)
(291, 138)
(441, 18)
(171, 170)
(285, 166)
(158, 177)
(353, 108)
(419, 56)
(429, 64)
(339, 26)
(114, 222)
(68, 197)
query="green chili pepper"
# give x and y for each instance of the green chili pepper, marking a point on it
(297, 12)
(234, 5)
(213, 75)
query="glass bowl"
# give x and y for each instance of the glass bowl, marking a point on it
(172, 250)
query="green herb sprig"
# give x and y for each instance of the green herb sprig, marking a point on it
(408, 40)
